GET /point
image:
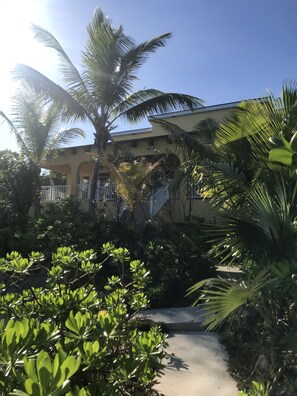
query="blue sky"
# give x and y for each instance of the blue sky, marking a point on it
(221, 51)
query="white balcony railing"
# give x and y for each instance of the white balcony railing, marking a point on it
(104, 191)
(54, 193)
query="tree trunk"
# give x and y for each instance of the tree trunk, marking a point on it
(94, 182)
(102, 136)
(37, 206)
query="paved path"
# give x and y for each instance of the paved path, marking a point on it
(196, 367)
(197, 364)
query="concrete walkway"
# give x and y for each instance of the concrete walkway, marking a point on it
(196, 367)
(197, 363)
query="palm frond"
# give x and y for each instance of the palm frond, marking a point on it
(133, 59)
(62, 138)
(150, 102)
(239, 123)
(75, 83)
(206, 130)
(46, 89)
(102, 61)
(227, 182)
(36, 125)
(190, 143)
(221, 298)
(289, 101)
(134, 181)
(16, 133)
(97, 20)
(263, 228)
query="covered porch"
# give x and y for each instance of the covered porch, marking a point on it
(104, 192)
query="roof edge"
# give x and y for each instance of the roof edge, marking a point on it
(203, 109)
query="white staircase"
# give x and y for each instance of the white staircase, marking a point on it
(158, 199)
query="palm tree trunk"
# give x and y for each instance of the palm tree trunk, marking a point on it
(37, 205)
(102, 136)
(94, 182)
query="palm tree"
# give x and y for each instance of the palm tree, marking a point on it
(36, 127)
(134, 183)
(102, 92)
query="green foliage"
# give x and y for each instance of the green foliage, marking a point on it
(18, 192)
(17, 188)
(46, 377)
(64, 223)
(222, 297)
(134, 183)
(55, 178)
(104, 90)
(175, 255)
(257, 389)
(242, 170)
(36, 127)
(79, 340)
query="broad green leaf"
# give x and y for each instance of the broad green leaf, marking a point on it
(30, 368)
(70, 366)
(19, 393)
(29, 386)
(281, 155)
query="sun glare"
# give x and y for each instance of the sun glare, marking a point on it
(17, 43)
(16, 17)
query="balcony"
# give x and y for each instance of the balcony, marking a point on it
(54, 193)
(104, 192)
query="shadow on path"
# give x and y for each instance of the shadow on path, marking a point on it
(176, 363)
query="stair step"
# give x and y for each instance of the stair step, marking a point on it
(176, 319)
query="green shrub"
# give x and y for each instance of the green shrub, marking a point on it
(64, 223)
(70, 337)
(257, 389)
(175, 256)
(18, 192)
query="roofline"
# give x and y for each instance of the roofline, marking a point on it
(131, 132)
(114, 134)
(203, 109)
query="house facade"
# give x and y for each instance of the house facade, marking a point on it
(150, 143)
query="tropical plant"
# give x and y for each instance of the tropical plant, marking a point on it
(102, 92)
(18, 191)
(231, 162)
(257, 389)
(257, 228)
(18, 188)
(55, 178)
(173, 253)
(135, 183)
(64, 223)
(69, 337)
(36, 127)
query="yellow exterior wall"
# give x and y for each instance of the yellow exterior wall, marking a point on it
(76, 162)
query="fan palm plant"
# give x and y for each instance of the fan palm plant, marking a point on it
(103, 91)
(256, 198)
(242, 163)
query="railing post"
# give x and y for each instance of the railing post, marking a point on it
(151, 205)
